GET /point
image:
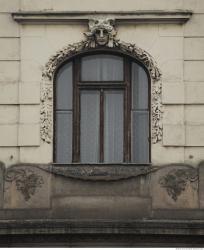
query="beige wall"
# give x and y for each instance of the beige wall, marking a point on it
(178, 50)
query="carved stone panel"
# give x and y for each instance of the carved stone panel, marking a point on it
(26, 186)
(175, 187)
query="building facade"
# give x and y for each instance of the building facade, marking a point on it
(101, 117)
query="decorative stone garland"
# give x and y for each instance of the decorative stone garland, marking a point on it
(108, 40)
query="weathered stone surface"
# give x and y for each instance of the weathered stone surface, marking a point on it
(24, 214)
(2, 170)
(167, 155)
(194, 48)
(139, 34)
(173, 114)
(9, 71)
(8, 92)
(9, 155)
(137, 186)
(178, 214)
(8, 28)
(31, 68)
(29, 114)
(42, 154)
(29, 93)
(32, 31)
(9, 135)
(173, 93)
(11, 49)
(9, 6)
(26, 186)
(193, 71)
(194, 93)
(115, 5)
(76, 197)
(197, 6)
(175, 187)
(194, 114)
(194, 135)
(8, 114)
(39, 5)
(201, 184)
(194, 155)
(29, 135)
(173, 135)
(171, 47)
(195, 26)
(172, 70)
(101, 207)
(169, 30)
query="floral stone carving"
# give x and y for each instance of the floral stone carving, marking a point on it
(26, 181)
(176, 180)
(101, 33)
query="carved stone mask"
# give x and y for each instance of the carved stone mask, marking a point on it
(101, 36)
(101, 32)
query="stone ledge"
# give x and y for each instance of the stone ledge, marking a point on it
(156, 16)
(99, 172)
(140, 227)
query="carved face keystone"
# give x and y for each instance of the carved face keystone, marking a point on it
(101, 37)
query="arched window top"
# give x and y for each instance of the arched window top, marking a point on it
(102, 67)
(102, 110)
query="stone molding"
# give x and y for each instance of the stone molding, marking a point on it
(90, 44)
(139, 226)
(154, 16)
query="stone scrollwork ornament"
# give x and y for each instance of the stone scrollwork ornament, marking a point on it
(101, 33)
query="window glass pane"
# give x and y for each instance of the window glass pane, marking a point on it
(139, 87)
(90, 113)
(63, 135)
(102, 68)
(140, 135)
(64, 88)
(113, 126)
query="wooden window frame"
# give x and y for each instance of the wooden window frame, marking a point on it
(124, 85)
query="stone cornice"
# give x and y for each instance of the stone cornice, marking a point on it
(139, 227)
(154, 16)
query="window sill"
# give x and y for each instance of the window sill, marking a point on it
(101, 172)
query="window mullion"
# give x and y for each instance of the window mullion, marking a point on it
(101, 125)
(127, 112)
(76, 112)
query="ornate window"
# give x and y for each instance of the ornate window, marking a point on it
(105, 103)
(102, 110)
